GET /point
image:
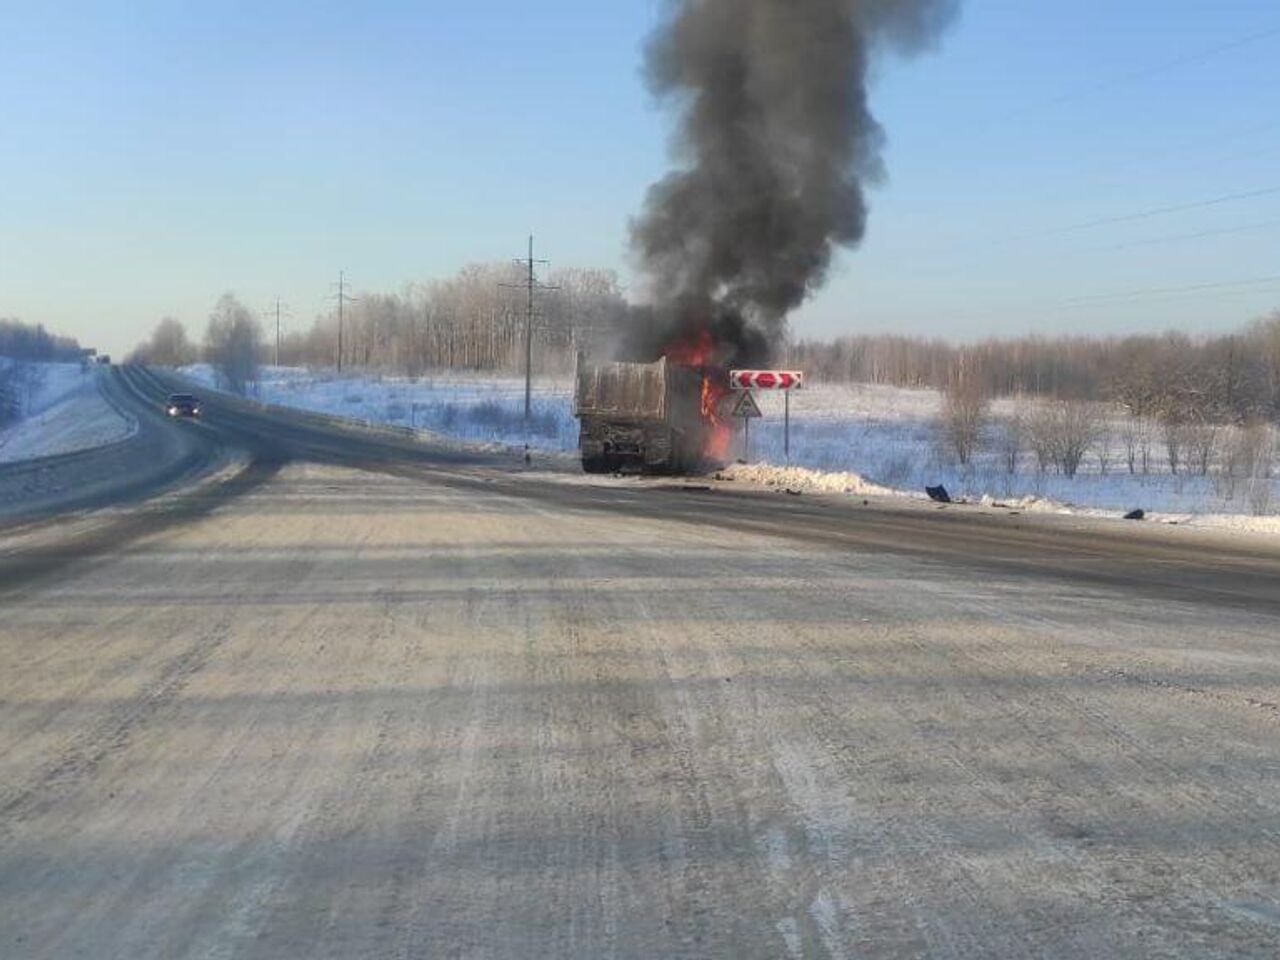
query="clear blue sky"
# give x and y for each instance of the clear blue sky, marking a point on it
(157, 154)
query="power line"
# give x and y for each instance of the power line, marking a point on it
(1148, 214)
(1145, 73)
(995, 243)
(1177, 237)
(1163, 291)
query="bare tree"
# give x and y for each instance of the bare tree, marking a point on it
(1174, 434)
(1042, 436)
(1201, 440)
(1078, 426)
(1136, 435)
(1102, 450)
(167, 346)
(233, 343)
(965, 405)
(1061, 433)
(1260, 481)
(1010, 439)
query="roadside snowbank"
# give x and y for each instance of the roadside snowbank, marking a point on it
(65, 412)
(802, 478)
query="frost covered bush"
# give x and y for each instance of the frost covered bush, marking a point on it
(965, 406)
(232, 342)
(1136, 435)
(1201, 440)
(1010, 436)
(1061, 432)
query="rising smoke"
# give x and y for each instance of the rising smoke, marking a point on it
(776, 144)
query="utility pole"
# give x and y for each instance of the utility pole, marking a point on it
(343, 300)
(528, 342)
(530, 286)
(277, 331)
(281, 311)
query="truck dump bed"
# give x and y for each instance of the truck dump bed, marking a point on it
(627, 391)
(639, 416)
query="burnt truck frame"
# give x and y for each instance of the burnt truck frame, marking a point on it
(640, 417)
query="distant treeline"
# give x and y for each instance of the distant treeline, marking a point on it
(472, 321)
(24, 341)
(1225, 378)
(475, 321)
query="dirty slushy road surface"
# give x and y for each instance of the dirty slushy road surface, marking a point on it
(334, 712)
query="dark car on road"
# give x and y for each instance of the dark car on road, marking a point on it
(182, 405)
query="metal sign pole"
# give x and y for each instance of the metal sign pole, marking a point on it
(746, 408)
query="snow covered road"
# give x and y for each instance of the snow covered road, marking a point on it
(122, 448)
(364, 699)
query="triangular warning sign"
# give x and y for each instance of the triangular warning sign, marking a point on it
(746, 407)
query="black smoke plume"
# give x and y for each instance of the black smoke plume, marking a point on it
(775, 145)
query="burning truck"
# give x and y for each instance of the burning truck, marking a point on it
(660, 417)
(774, 146)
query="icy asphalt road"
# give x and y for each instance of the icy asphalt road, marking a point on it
(143, 461)
(362, 700)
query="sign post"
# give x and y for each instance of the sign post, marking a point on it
(747, 409)
(784, 380)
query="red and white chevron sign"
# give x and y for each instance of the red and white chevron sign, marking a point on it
(766, 379)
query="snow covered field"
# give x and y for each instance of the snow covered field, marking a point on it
(477, 409)
(880, 437)
(60, 410)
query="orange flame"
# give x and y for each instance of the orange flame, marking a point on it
(719, 435)
(699, 351)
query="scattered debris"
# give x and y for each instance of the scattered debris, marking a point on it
(938, 494)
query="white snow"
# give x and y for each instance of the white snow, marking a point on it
(803, 478)
(63, 411)
(887, 436)
(472, 408)
(861, 439)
